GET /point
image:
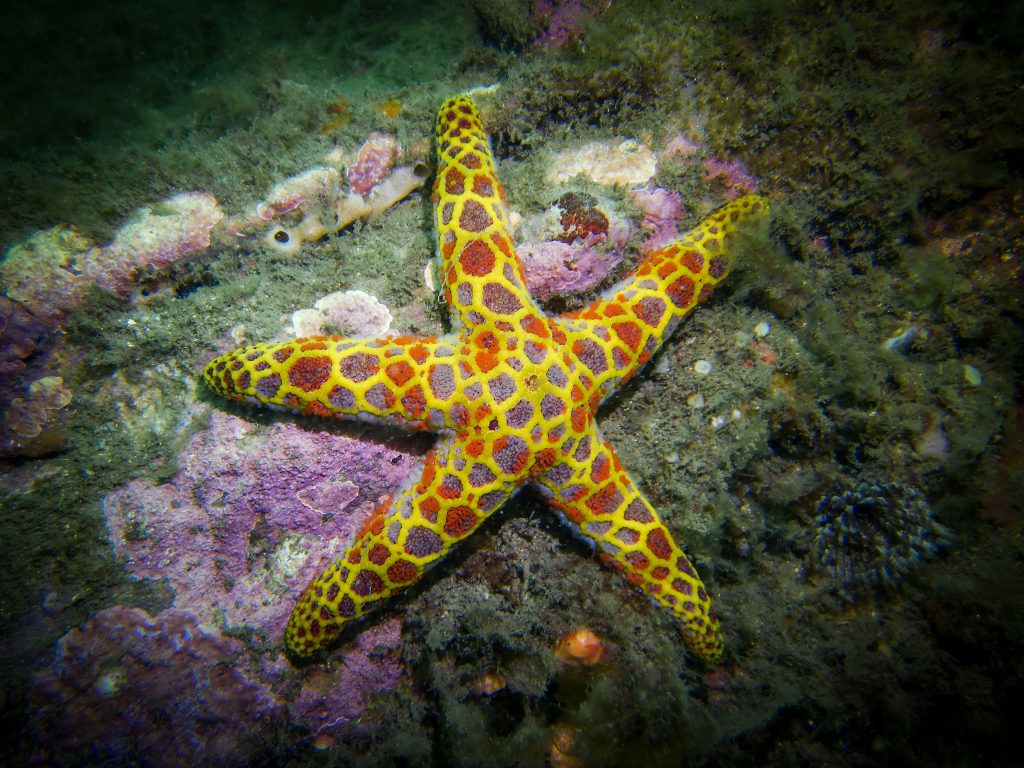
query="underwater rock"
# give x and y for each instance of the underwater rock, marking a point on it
(20, 335)
(45, 273)
(251, 517)
(580, 218)
(625, 162)
(572, 246)
(51, 271)
(155, 237)
(128, 688)
(871, 536)
(33, 425)
(32, 416)
(333, 702)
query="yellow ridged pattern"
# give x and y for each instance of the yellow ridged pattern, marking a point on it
(511, 392)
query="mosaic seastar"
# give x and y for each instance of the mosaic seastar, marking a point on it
(511, 392)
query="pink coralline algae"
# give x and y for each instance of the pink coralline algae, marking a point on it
(571, 247)
(333, 705)
(733, 175)
(251, 517)
(554, 268)
(662, 210)
(562, 20)
(20, 334)
(154, 238)
(350, 313)
(45, 273)
(253, 513)
(373, 162)
(128, 688)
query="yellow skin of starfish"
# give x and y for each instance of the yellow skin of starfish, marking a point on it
(511, 392)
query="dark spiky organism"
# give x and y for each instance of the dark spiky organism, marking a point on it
(871, 536)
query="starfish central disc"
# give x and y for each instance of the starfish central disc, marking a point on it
(511, 392)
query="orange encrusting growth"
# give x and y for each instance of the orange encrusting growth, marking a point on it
(512, 393)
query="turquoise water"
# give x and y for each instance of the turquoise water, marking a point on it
(834, 437)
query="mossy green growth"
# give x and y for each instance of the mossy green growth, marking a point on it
(931, 280)
(506, 23)
(852, 371)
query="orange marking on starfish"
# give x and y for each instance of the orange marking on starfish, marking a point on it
(418, 353)
(399, 372)
(429, 508)
(318, 409)
(543, 459)
(569, 510)
(403, 572)
(629, 333)
(414, 402)
(535, 326)
(378, 554)
(477, 259)
(486, 362)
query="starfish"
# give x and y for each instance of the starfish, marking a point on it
(512, 393)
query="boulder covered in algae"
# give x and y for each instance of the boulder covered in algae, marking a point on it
(160, 690)
(252, 513)
(251, 517)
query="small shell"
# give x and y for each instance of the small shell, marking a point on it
(972, 376)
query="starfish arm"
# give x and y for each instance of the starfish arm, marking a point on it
(413, 382)
(483, 278)
(598, 498)
(440, 503)
(622, 330)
